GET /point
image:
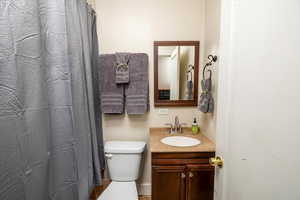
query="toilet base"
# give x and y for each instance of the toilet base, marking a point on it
(120, 191)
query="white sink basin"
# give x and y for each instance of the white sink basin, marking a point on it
(180, 141)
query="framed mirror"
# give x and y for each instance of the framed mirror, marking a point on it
(176, 67)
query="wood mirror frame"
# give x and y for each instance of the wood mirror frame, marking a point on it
(176, 103)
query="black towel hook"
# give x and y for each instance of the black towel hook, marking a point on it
(212, 59)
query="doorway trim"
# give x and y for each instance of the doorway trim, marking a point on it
(224, 98)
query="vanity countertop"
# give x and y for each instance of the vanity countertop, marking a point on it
(156, 146)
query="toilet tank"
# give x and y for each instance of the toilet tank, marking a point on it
(124, 159)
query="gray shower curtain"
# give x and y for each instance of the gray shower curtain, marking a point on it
(50, 122)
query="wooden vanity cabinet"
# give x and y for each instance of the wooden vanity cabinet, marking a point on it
(182, 176)
(168, 182)
(200, 184)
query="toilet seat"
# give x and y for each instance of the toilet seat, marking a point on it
(120, 191)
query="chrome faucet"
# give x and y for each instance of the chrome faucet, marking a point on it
(177, 127)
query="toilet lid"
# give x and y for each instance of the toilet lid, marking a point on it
(124, 147)
(120, 191)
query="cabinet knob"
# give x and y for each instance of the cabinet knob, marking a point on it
(191, 174)
(183, 175)
(216, 162)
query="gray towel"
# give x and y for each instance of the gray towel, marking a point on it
(112, 95)
(137, 92)
(189, 93)
(122, 70)
(206, 103)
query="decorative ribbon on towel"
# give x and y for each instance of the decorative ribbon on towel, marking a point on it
(122, 68)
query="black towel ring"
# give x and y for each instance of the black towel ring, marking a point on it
(204, 70)
(210, 74)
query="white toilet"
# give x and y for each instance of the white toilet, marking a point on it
(123, 160)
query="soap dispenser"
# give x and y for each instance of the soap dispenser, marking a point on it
(195, 127)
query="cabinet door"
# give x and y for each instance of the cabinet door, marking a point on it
(200, 182)
(168, 183)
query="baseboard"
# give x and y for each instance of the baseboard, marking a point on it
(144, 189)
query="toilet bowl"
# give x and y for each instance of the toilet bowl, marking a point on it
(123, 160)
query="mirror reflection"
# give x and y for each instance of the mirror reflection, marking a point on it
(176, 72)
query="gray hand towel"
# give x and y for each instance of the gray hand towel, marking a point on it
(137, 92)
(206, 102)
(112, 95)
(189, 93)
(122, 70)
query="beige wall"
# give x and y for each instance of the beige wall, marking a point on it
(212, 37)
(132, 26)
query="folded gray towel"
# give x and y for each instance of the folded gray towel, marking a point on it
(206, 102)
(137, 92)
(112, 95)
(122, 70)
